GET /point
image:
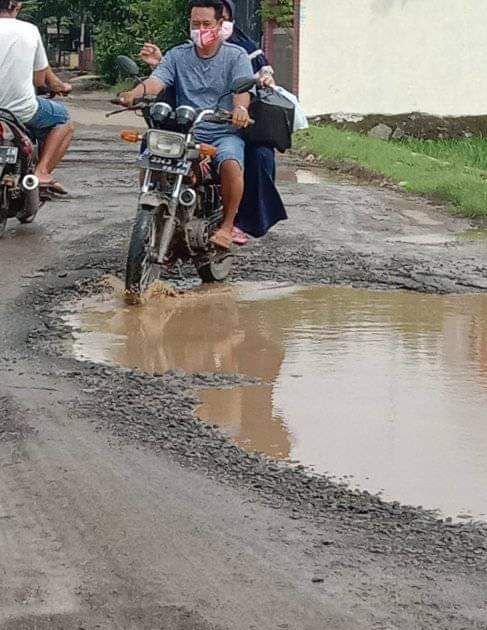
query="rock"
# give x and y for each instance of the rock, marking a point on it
(398, 134)
(381, 132)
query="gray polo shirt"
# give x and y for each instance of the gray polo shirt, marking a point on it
(200, 82)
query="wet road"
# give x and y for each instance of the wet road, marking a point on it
(98, 533)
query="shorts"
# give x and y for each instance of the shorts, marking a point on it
(49, 115)
(230, 146)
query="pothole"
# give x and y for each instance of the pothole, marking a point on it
(387, 391)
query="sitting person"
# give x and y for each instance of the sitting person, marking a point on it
(200, 73)
(22, 60)
(261, 206)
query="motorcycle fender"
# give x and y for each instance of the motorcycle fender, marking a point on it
(150, 199)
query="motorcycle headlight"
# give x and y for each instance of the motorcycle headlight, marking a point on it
(166, 144)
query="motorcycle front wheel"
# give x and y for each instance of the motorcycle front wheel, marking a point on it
(141, 271)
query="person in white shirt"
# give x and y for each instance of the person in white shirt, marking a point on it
(23, 66)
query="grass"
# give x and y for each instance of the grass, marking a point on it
(454, 172)
(472, 152)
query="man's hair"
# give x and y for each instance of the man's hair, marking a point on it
(209, 4)
(8, 5)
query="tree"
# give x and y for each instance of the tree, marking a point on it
(119, 26)
(161, 21)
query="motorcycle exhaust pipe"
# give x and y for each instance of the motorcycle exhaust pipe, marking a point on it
(30, 182)
(187, 198)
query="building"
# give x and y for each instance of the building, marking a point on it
(391, 56)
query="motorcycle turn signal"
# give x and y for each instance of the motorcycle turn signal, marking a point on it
(131, 136)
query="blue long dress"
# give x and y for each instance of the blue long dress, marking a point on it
(261, 206)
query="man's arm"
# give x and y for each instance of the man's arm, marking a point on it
(241, 104)
(151, 86)
(55, 83)
(40, 77)
(162, 78)
(41, 64)
(241, 68)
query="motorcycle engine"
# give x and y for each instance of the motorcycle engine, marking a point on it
(197, 234)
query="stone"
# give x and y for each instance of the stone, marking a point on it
(381, 132)
(398, 134)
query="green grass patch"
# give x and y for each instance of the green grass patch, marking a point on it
(450, 171)
(472, 152)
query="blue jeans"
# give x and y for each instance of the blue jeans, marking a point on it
(230, 146)
(50, 114)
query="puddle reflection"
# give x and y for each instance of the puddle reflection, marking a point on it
(390, 388)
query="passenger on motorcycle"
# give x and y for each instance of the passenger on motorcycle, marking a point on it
(200, 73)
(24, 65)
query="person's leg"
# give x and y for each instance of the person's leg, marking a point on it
(53, 150)
(51, 125)
(231, 176)
(230, 164)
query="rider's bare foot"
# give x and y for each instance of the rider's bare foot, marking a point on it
(222, 238)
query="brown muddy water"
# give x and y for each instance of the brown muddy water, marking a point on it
(385, 390)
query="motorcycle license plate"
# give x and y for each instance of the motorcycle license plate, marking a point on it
(8, 155)
(174, 167)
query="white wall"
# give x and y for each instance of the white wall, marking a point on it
(393, 56)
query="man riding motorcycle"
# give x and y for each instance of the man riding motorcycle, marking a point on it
(200, 73)
(24, 65)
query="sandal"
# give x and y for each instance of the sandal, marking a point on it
(54, 188)
(239, 237)
(221, 239)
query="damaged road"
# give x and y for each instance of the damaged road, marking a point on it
(119, 509)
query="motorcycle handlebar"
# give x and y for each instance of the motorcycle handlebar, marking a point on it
(223, 118)
(143, 100)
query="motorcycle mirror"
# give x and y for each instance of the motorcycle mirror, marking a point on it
(127, 66)
(243, 84)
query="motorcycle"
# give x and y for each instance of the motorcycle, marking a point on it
(180, 203)
(20, 192)
(19, 187)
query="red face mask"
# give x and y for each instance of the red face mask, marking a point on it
(205, 37)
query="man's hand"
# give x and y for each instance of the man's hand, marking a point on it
(240, 117)
(127, 98)
(59, 87)
(151, 54)
(267, 80)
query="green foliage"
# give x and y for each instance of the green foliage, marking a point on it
(119, 26)
(279, 11)
(163, 22)
(451, 179)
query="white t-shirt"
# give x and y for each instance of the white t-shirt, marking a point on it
(21, 53)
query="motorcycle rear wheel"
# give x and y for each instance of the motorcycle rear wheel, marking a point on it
(216, 269)
(141, 271)
(31, 207)
(3, 226)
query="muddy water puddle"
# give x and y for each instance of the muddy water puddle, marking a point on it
(385, 390)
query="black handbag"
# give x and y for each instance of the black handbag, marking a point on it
(274, 120)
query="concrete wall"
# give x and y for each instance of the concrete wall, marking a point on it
(393, 56)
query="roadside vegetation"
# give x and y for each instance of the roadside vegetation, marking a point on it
(451, 171)
(114, 26)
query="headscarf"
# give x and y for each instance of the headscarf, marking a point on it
(239, 38)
